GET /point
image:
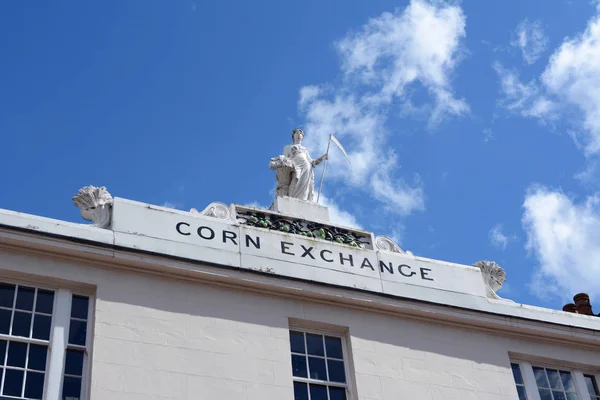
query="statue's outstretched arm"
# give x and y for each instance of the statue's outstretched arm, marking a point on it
(319, 160)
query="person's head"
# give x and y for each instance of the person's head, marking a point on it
(297, 135)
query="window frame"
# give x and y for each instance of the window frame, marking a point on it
(8, 337)
(349, 384)
(58, 340)
(87, 349)
(596, 384)
(530, 382)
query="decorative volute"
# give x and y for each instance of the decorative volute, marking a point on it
(386, 244)
(493, 276)
(95, 204)
(215, 210)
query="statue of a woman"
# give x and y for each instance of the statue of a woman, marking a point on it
(302, 182)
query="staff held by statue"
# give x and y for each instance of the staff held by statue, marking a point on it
(339, 145)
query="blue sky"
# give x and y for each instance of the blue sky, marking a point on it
(473, 127)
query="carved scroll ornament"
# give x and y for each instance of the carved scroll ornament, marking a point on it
(493, 276)
(95, 204)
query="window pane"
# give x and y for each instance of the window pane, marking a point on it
(336, 371)
(300, 391)
(45, 301)
(540, 377)
(297, 342)
(334, 347)
(25, 298)
(590, 382)
(559, 395)
(34, 385)
(71, 388)
(77, 332)
(522, 393)
(16, 354)
(337, 393)
(5, 321)
(318, 392)
(545, 394)
(79, 307)
(316, 366)
(74, 362)
(13, 382)
(2, 352)
(41, 326)
(567, 381)
(299, 366)
(21, 324)
(314, 344)
(554, 379)
(516, 370)
(37, 357)
(572, 396)
(7, 295)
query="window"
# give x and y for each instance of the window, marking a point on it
(318, 366)
(554, 384)
(32, 358)
(25, 320)
(516, 370)
(592, 387)
(74, 359)
(544, 382)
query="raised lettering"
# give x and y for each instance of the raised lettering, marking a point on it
(389, 268)
(285, 246)
(307, 252)
(229, 235)
(211, 234)
(178, 227)
(323, 257)
(254, 243)
(424, 274)
(366, 263)
(401, 266)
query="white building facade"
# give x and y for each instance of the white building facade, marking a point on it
(237, 303)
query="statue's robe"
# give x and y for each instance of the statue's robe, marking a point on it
(303, 180)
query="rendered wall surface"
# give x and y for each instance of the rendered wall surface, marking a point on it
(161, 338)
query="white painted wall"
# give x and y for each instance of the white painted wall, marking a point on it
(161, 338)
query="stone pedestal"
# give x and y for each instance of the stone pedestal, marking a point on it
(308, 210)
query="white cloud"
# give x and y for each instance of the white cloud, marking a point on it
(169, 204)
(487, 135)
(573, 75)
(498, 238)
(531, 39)
(570, 81)
(338, 216)
(564, 236)
(418, 45)
(256, 204)
(525, 99)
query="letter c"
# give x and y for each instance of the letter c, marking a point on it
(178, 227)
(412, 273)
(323, 257)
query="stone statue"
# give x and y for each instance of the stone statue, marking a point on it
(295, 169)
